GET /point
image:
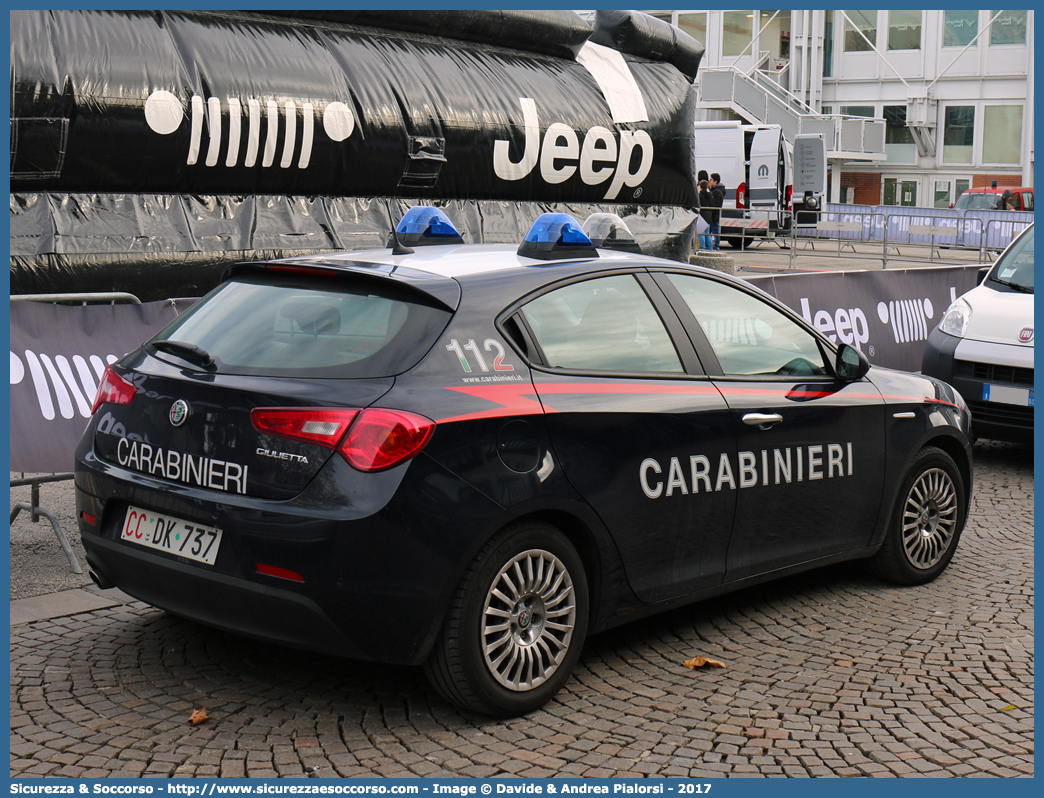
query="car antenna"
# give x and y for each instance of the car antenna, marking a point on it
(399, 249)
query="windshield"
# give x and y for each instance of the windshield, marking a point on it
(1014, 271)
(978, 202)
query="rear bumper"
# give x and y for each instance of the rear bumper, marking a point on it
(226, 603)
(374, 586)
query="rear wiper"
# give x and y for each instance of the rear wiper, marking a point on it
(189, 352)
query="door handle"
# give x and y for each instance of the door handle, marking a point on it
(762, 420)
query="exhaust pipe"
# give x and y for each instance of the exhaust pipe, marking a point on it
(100, 581)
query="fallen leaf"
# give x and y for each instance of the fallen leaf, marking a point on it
(1008, 708)
(702, 662)
(199, 715)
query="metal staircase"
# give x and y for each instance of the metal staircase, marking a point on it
(760, 99)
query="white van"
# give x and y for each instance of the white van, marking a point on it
(754, 162)
(983, 346)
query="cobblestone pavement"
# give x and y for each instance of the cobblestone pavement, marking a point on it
(827, 674)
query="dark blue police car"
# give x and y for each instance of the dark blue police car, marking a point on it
(472, 456)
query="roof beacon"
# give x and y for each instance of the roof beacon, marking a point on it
(607, 230)
(424, 225)
(556, 236)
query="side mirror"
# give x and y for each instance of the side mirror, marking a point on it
(851, 364)
(981, 274)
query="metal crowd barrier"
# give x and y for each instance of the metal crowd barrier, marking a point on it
(35, 510)
(34, 482)
(930, 230)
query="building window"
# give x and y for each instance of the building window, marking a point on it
(1008, 28)
(1002, 134)
(736, 32)
(695, 25)
(866, 22)
(958, 133)
(904, 30)
(828, 45)
(897, 191)
(859, 110)
(899, 141)
(774, 37)
(959, 28)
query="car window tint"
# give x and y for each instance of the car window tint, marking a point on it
(259, 325)
(748, 335)
(1015, 268)
(605, 324)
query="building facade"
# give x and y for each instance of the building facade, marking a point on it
(954, 88)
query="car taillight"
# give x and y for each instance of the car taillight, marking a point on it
(376, 439)
(323, 425)
(113, 389)
(789, 197)
(381, 439)
(741, 196)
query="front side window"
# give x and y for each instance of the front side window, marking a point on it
(1008, 28)
(958, 133)
(904, 30)
(1002, 134)
(749, 336)
(864, 22)
(605, 324)
(960, 28)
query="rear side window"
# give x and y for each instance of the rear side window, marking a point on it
(606, 324)
(341, 327)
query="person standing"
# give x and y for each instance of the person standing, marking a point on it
(707, 213)
(717, 193)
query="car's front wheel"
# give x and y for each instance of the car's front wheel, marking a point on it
(516, 624)
(926, 522)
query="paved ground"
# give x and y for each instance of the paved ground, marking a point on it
(830, 673)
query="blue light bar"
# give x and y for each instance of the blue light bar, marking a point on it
(556, 236)
(424, 225)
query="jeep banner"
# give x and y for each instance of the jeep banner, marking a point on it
(245, 103)
(885, 314)
(58, 355)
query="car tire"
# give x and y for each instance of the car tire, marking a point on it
(530, 582)
(926, 523)
(736, 242)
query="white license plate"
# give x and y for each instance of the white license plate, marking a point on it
(1023, 397)
(172, 535)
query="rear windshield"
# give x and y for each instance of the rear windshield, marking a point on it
(299, 326)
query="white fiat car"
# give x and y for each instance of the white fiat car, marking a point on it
(984, 346)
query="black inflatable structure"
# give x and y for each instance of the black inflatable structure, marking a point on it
(151, 149)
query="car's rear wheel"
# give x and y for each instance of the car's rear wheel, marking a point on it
(926, 522)
(516, 624)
